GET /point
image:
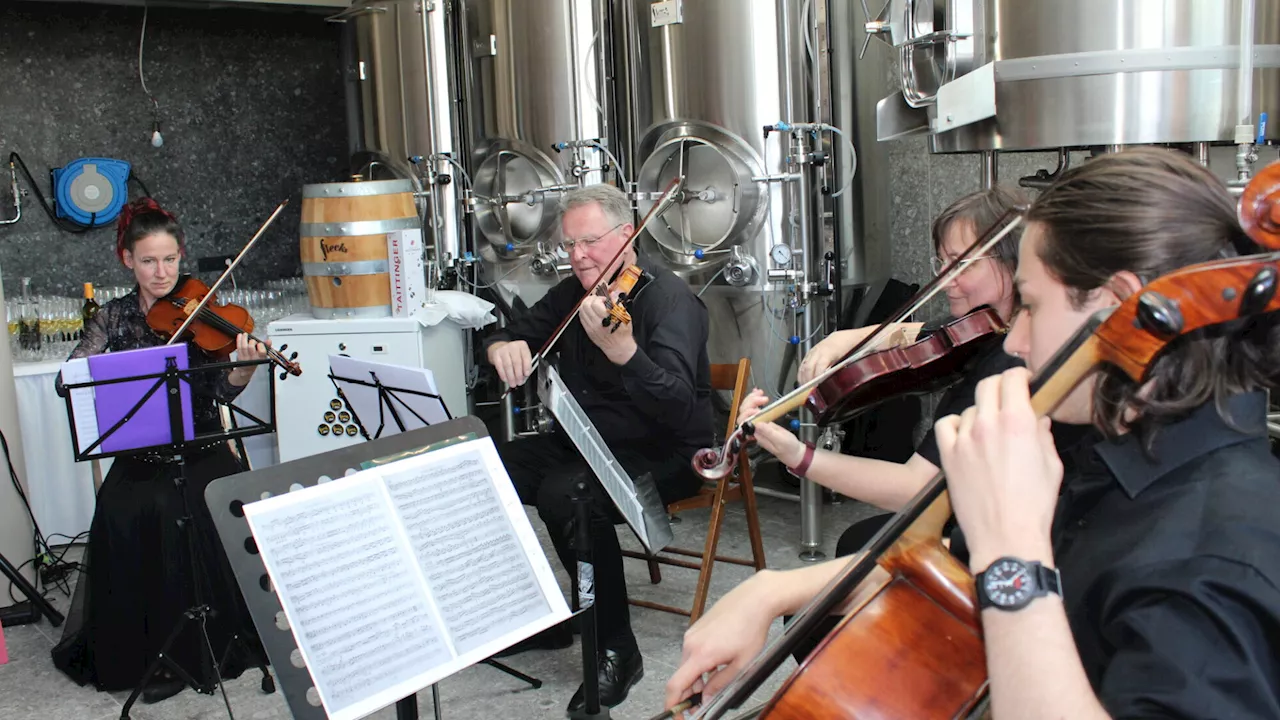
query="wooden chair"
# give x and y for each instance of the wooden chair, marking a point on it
(714, 495)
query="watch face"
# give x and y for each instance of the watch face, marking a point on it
(1008, 583)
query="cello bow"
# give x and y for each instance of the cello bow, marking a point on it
(1128, 337)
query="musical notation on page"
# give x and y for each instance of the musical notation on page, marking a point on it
(467, 548)
(346, 579)
(399, 575)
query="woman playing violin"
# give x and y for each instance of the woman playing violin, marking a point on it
(985, 280)
(1146, 581)
(139, 577)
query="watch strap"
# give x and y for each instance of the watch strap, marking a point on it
(803, 466)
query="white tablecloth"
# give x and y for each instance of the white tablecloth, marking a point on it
(61, 489)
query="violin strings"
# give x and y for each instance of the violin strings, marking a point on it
(223, 325)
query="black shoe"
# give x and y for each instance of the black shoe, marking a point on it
(619, 671)
(555, 637)
(161, 689)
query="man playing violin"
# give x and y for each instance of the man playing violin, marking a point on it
(646, 387)
(1146, 582)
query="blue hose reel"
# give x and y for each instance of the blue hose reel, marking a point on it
(91, 191)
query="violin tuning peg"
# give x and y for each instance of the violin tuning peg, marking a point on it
(283, 347)
(294, 356)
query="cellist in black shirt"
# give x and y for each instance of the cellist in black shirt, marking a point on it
(1163, 542)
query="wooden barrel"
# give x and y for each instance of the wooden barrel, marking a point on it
(343, 238)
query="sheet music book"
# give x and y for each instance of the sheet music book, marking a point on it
(365, 401)
(399, 575)
(639, 503)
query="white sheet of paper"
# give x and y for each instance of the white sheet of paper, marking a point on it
(345, 575)
(473, 541)
(615, 480)
(401, 575)
(366, 404)
(82, 407)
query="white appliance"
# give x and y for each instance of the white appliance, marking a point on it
(311, 418)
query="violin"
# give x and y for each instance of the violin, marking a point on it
(716, 463)
(627, 282)
(914, 629)
(214, 330)
(216, 326)
(924, 366)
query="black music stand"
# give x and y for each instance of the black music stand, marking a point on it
(388, 398)
(226, 498)
(171, 380)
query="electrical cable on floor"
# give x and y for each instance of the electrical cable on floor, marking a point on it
(53, 563)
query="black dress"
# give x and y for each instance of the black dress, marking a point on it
(140, 574)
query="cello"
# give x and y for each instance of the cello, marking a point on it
(917, 617)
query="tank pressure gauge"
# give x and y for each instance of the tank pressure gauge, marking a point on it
(781, 254)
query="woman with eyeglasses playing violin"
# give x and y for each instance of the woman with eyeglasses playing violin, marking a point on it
(986, 280)
(1145, 580)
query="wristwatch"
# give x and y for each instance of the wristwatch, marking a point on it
(1011, 584)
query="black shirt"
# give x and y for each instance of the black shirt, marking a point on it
(659, 402)
(960, 396)
(1171, 568)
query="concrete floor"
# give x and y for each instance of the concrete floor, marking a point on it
(32, 689)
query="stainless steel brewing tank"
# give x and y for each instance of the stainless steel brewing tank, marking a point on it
(1111, 72)
(700, 91)
(400, 102)
(532, 78)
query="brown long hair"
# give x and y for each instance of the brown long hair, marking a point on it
(982, 209)
(1151, 211)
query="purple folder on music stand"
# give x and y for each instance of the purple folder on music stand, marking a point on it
(150, 426)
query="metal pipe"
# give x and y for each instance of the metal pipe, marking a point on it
(1244, 120)
(1245, 88)
(810, 492)
(508, 398)
(431, 203)
(1202, 153)
(990, 169)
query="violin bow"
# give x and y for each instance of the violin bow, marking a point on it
(225, 274)
(668, 197)
(713, 463)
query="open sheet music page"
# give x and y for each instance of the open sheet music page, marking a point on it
(83, 409)
(402, 574)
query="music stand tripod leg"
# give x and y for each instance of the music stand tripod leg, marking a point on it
(37, 600)
(198, 613)
(592, 710)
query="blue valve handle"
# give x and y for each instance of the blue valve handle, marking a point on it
(1262, 129)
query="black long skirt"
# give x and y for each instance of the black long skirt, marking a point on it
(144, 571)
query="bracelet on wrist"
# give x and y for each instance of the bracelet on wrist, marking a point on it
(803, 466)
